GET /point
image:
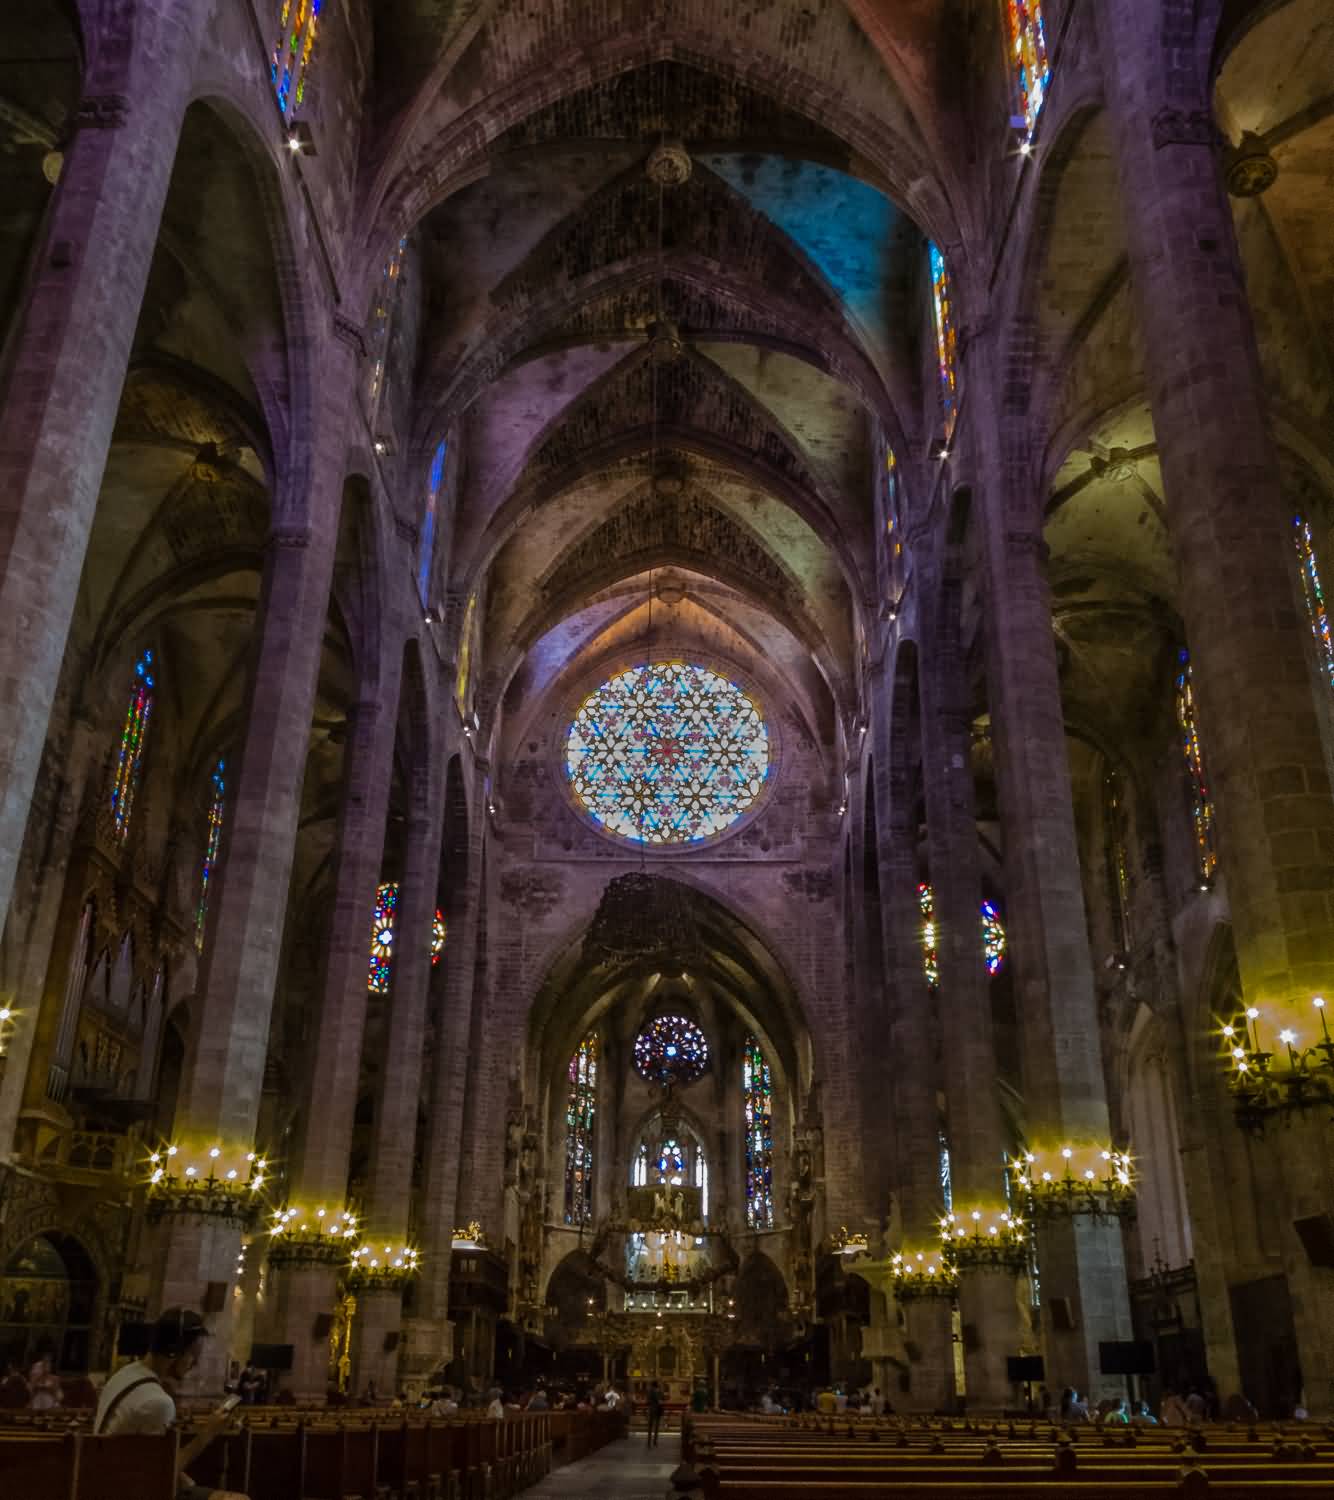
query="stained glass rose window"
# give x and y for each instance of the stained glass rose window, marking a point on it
(671, 1049)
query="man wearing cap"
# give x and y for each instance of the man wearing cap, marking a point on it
(137, 1398)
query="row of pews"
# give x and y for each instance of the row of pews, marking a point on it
(318, 1455)
(767, 1458)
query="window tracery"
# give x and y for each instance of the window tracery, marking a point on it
(382, 318)
(1030, 71)
(580, 1128)
(1201, 801)
(1314, 595)
(947, 338)
(383, 921)
(667, 753)
(133, 737)
(671, 1050)
(289, 67)
(757, 1099)
(212, 842)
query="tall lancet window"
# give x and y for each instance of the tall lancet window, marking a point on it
(1118, 857)
(382, 317)
(757, 1096)
(212, 843)
(289, 66)
(1030, 72)
(1314, 594)
(133, 737)
(580, 1130)
(426, 541)
(947, 338)
(1201, 802)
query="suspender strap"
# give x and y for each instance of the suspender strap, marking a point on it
(121, 1395)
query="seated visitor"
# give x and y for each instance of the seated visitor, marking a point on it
(137, 1398)
(495, 1409)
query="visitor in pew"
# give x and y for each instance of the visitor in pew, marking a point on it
(137, 1398)
(43, 1385)
(826, 1403)
(14, 1392)
(654, 1413)
(877, 1402)
(1197, 1409)
(1143, 1415)
(1238, 1409)
(495, 1409)
(538, 1401)
(1117, 1414)
(1174, 1410)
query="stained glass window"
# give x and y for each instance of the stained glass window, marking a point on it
(1118, 858)
(426, 556)
(993, 939)
(580, 1125)
(947, 338)
(212, 840)
(1201, 802)
(757, 1098)
(671, 1163)
(671, 1050)
(993, 936)
(946, 1172)
(667, 753)
(926, 900)
(1314, 595)
(702, 1183)
(289, 67)
(382, 937)
(382, 317)
(1029, 69)
(133, 734)
(462, 680)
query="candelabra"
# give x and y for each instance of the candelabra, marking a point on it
(923, 1273)
(304, 1237)
(385, 1266)
(848, 1242)
(1093, 1180)
(981, 1239)
(212, 1180)
(1261, 1089)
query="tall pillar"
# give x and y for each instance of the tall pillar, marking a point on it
(988, 1299)
(394, 1131)
(224, 1070)
(429, 1341)
(1082, 1261)
(915, 1225)
(306, 1264)
(70, 353)
(1233, 548)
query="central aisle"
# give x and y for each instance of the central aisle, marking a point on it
(627, 1469)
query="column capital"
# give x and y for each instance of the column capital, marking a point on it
(1174, 126)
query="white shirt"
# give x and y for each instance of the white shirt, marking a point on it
(496, 1411)
(148, 1409)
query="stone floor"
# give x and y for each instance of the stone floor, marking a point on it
(627, 1469)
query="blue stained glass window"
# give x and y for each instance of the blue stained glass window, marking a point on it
(426, 542)
(133, 737)
(667, 753)
(212, 842)
(671, 1050)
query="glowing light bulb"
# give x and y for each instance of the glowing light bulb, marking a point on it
(1066, 1152)
(1252, 1014)
(215, 1152)
(1319, 1002)
(191, 1171)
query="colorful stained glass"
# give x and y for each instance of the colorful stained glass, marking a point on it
(426, 549)
(1118, 858)
(926, 901)
(993, 936)
(993, 939)
(946, 1171)
(382, 317)
(671, 1050)
(464, 678)
(1029, 69)
(133, 735)
(667, 753)
(580, 1126)
(757, 1099)
(212, 841)
(289, 66)
(671, 1164)
(1314, 595)
(1201, 802)
(382, 937)
(947, 338)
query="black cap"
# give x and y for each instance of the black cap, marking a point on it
(176, 1330)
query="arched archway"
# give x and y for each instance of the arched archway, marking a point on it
(48, 1303)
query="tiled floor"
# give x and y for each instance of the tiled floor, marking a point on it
(624, 1470)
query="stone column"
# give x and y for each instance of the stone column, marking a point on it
(988, 1298)
(224, 1071)
(305, 1276)
(1232, 542)
(917, 1201)
(70, 352)
(1082, 1261)
(387, 1210)
(429, 1339)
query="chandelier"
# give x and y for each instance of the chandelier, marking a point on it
(644, 918)
(1259, 1089)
